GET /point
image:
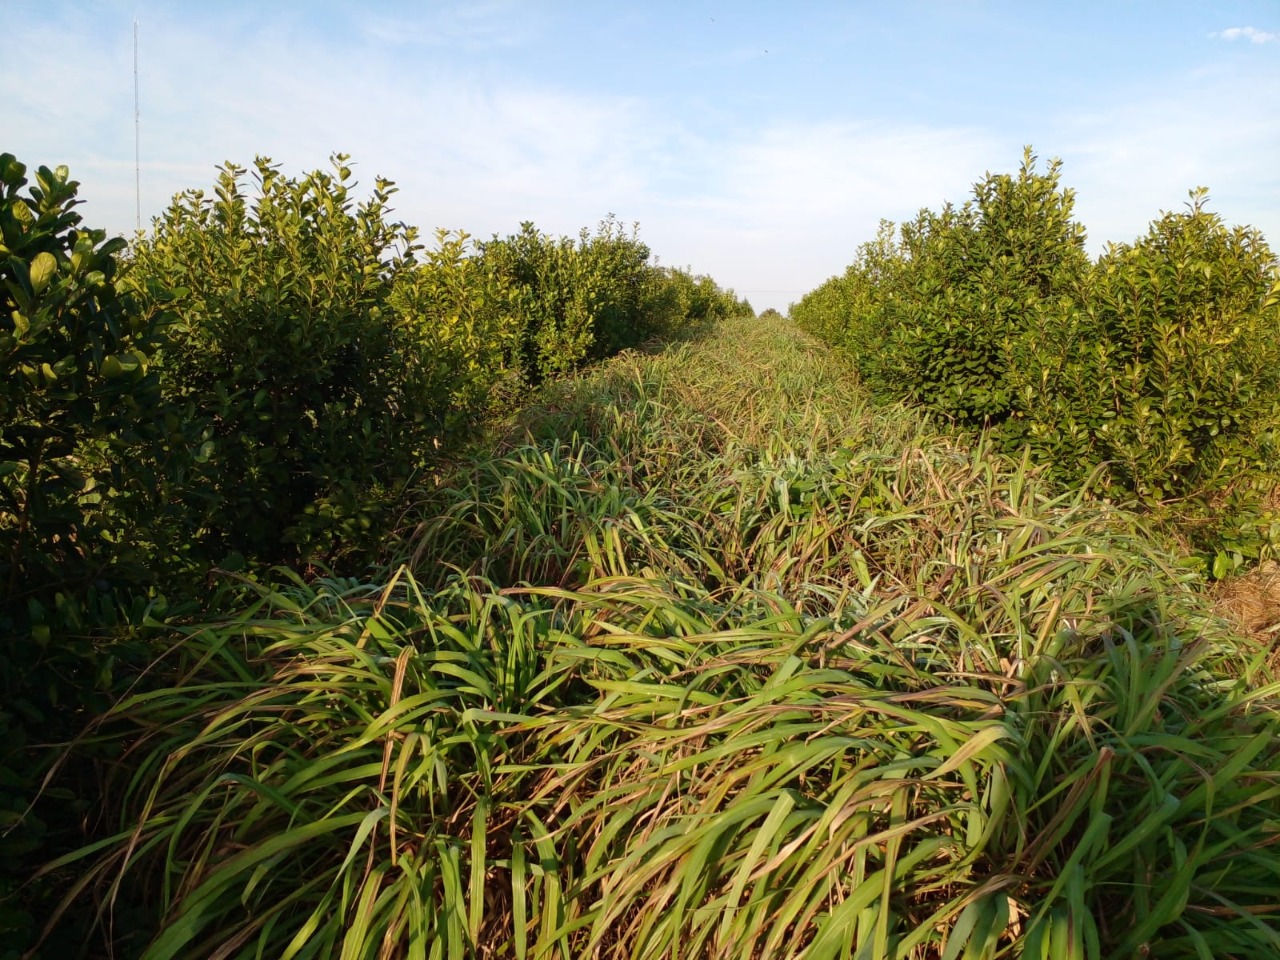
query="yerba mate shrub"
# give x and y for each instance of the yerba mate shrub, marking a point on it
(616, 279)
(79, 390)
(79, 402)
(929, 310)
(1155, 371)
(680, 301)
(451, 309)
(974, 277)
(572, 301)
(1167, 375)
(287, 363)
(552, 321)
(851, 310)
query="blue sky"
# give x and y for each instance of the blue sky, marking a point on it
(756, 142)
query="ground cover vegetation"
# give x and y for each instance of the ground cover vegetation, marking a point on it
(702, 652)
(707, 655)
(1155, 366)
(257, 381)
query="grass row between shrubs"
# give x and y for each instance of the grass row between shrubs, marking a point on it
(707, 657)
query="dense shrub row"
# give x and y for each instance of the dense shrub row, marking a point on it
(1157, 366)
(255, 382)
(275, 360)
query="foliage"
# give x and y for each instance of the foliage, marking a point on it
(577, 301)
(934, 313)
(450, 313)
(683, 301)
(571, 300)
(853, 309)
(287, 364)
(79, 401)
(323, 359)
(1156, 365)
(78, 393)
(613, 284)
(1169, 374)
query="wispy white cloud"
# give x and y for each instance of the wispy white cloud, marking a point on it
(785, 206)
(466, 151)
(1252, 34)
(1142, 153)
(471, 26)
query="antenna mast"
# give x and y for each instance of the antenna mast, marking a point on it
(137, 135)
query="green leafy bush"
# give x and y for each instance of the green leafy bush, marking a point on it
(553, 318)
(851, 310)
(1158, 365)
(930, 310)
(1172, 367)
(288, 365)
(615, 279)
(78, 390)
(322, 358)
(449, 314)
(79, 401)
(1168, 375)
(681, 299)
(976, 275)
(577, 301)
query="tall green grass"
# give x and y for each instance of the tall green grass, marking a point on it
(709, 658)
